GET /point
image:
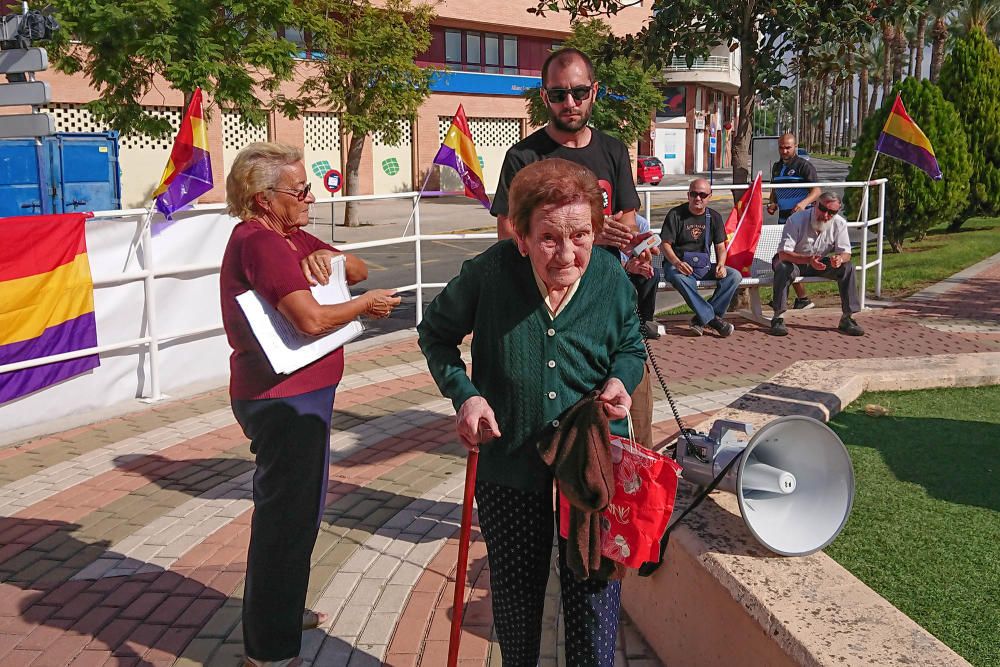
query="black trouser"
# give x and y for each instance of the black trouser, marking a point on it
(786, 272)
(645, 289)
(517, 527)
(291, 438)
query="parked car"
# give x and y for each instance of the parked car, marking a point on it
(650, 170)
(803, 153)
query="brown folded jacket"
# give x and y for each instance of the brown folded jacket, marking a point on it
(579, 455)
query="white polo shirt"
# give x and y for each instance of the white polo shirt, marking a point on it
(798, 235)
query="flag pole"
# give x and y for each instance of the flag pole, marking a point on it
(864, 195)
(416, 201)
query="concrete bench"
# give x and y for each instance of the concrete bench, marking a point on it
(761, 273)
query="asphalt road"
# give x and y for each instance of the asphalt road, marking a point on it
(393, 266)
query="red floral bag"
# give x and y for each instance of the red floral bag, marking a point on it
(637, 516)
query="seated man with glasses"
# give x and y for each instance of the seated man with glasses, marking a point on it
(688, 232)
(815, 243)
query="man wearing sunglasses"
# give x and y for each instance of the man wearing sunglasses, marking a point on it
(815, 243)
(688, 231)
(569, 92)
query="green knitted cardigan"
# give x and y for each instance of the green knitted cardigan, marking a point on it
(530, 368)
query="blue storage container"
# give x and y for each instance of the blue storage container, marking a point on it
(63, 173)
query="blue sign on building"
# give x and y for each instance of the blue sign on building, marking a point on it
(483, 84)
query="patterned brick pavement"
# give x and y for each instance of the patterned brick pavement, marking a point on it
(123, 542)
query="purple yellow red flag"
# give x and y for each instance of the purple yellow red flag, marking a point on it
(188, 173)
(743, 228)
(903, 140)
(46, 300)
(459, 152)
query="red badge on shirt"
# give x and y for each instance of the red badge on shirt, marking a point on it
(607, 189)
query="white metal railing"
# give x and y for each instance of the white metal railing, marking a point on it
(149, 272)
(864, 222)
(711, 63)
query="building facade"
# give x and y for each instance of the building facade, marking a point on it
(488, 53)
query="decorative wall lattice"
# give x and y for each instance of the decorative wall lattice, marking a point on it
(322, 131)
(236, 135)
(405, 139)
(487, 131)
(77, 118)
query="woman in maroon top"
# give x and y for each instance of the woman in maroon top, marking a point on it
(286, 417)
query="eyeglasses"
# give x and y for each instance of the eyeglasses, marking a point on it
(558, 95)
(699, 195)
(298, 194)
(828, 211)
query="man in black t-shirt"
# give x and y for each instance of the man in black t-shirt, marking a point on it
(684, 233)
(569, 90)
(793, 168)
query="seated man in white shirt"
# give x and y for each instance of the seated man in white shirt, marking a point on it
(815, 243)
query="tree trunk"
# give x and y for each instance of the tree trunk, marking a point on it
(352, 185)
(911, 55)
(888, 43)
(822, 113)
(873, 103)
(851, 106)
(862, 97)
(939, 35)
(918, 65)
(900, 61)
(748, 102)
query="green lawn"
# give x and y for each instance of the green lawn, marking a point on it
(922, 263)
(925, 530)
(836, 158)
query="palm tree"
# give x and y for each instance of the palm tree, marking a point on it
(888, 44)
(983, 14)
(940, 10)
(918, 61)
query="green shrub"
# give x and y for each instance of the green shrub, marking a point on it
(970, 79)
(914, 202)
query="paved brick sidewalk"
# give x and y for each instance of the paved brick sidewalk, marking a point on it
(124, 542)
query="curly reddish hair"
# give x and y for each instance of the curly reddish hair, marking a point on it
(550, 184)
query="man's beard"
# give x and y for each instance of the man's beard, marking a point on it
(575, 125)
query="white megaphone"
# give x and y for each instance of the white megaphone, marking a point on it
(794, 481)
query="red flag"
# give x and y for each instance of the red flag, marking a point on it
(743, 229)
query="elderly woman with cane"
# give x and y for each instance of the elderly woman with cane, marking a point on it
(551, 321)
(286, 417)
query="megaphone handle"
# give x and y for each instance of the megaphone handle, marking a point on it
(649, 568)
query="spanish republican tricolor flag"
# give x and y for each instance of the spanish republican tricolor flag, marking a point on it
(459, 152)
(188, 173)
(46, 300)
(903, 140)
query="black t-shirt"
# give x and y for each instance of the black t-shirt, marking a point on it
(606, 156)
(798, 170)
(685, 231)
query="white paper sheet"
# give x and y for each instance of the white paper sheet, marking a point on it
(286, 348)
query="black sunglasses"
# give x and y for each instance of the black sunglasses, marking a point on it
(558, 95)
(298, 194)
(699, 195)
(828, 211)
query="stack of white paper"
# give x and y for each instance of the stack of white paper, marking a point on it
(288, 349)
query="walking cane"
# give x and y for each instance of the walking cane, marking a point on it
(463, 559)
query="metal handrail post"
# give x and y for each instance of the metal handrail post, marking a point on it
(418, 258)
(864, 247)
(149, 294)
(647, 202)
(881, 237)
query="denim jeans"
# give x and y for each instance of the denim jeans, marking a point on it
(717, 304)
